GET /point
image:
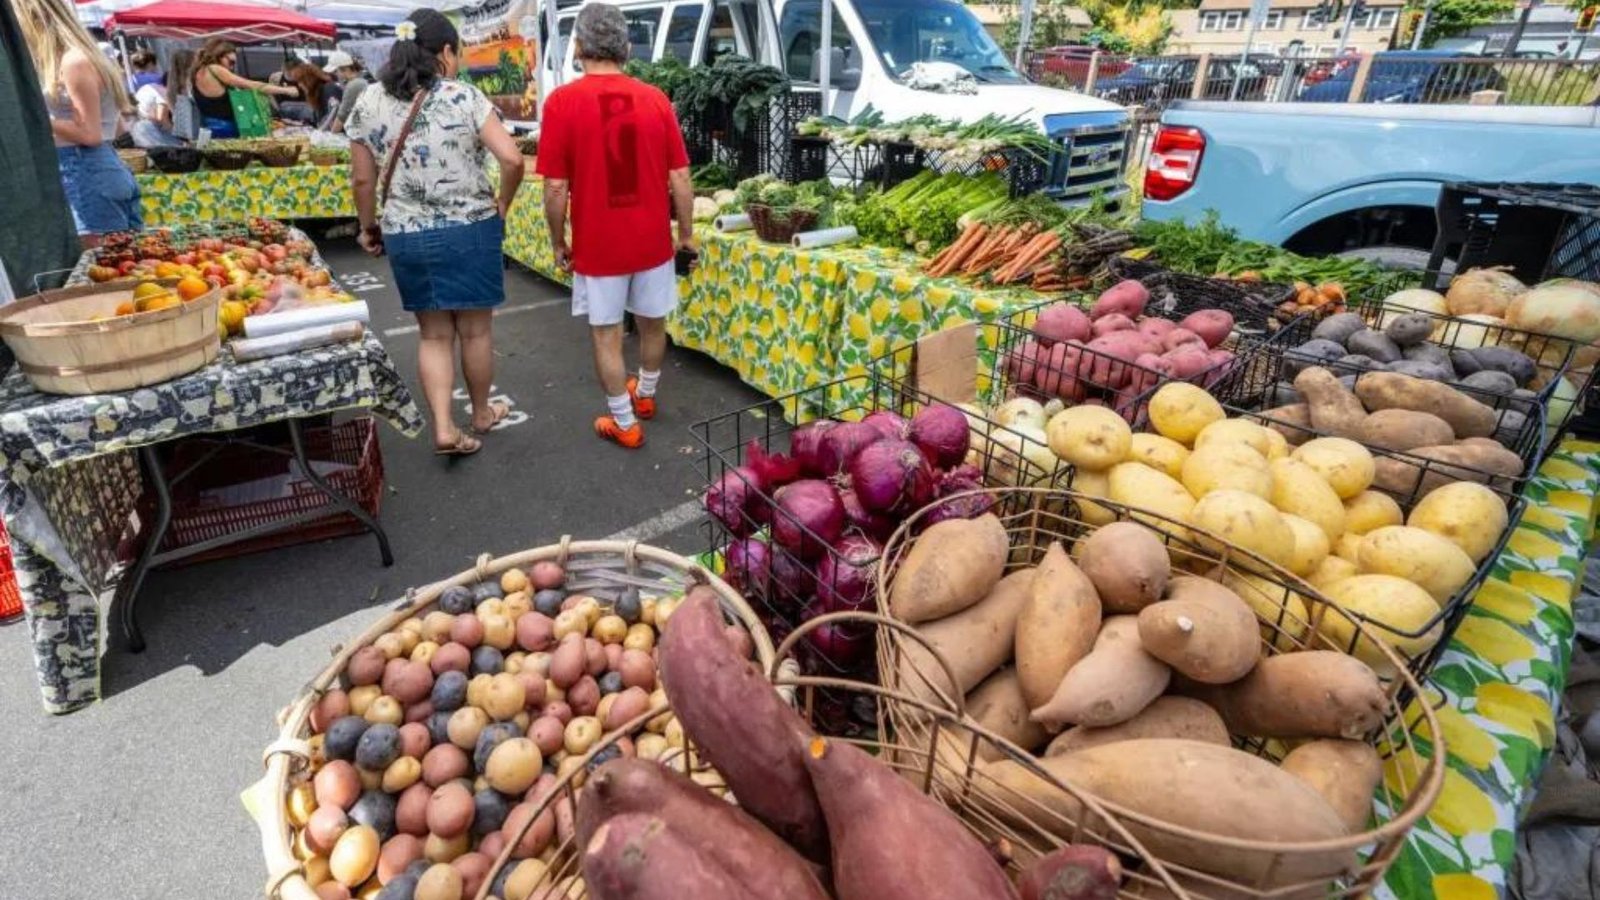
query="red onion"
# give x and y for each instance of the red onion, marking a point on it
(841, 645)
(748, 567)
(809, 517)
(841, 444)
(893, 476)
(728, 501)
(805, 445)
(964, 477)
(772, 469)
(845, 577)
(793, 582)
(942, 432)
(891, 425)
(871, 524)
(963, 506)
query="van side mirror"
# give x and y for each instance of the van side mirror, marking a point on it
(844, 79)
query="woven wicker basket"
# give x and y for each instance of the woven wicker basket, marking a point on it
(279, 156)
(939, 763)
(72, 342)
(1037, 518)
(137, 161)
(779, 228)
(228, 159)
(593, 567)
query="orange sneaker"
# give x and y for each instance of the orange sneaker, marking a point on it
(607, 428)
(643, 407)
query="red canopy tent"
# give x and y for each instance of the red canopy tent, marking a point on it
(239, 23)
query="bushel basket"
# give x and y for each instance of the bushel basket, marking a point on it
(1292, 617)
(599, 569)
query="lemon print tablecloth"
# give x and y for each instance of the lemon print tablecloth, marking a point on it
(216, 195)
(787, 320)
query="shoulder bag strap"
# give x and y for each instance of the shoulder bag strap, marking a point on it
(399, 145)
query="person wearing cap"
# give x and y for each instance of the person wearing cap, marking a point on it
(342, 66)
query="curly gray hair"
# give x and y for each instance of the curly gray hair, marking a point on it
(601, 33)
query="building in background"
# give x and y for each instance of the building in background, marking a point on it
(1551, 32)
(995, 17)
(1292, 27)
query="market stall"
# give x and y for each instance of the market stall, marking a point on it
(221, 195)
(77, 465)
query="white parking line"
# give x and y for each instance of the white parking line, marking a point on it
(503, 311)
(655, 526)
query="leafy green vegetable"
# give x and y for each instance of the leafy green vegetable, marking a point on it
(923, 212)
(711, 176)
(738, 85)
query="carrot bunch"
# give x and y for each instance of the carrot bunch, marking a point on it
(1006, 253)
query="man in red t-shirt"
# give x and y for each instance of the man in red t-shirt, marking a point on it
(613, 143)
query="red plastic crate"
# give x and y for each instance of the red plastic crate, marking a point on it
(10, 593)
(198, 515)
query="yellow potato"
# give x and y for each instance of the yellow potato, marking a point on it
(1243, 520)
(1420, 557)
(1370, 510)
(1094, 484)
(1235, 431)
(1297, 489)
(1226, 465)
(1466, 514)
(1348, 547)
(1138, 485)
(1283, 613)
(1089, 437)
(1277, 444)
(1345, 465)
(1180, 411)
(1331, 569)
(1157, 452)
(1397, 612)
(1311, 545)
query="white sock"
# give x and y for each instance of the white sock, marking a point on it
(621, 410)
(647, 382)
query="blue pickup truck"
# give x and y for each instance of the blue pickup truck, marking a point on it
(1354, 179)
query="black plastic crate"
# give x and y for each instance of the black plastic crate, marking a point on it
(1024, 173)
(725, 441)
(808, 158)
(1540, 230)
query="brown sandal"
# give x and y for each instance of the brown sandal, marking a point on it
(500, 411)
(465, 445)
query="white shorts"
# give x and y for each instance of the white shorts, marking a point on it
(651, 294)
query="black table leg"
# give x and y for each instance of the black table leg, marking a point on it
(128, 593)
(297, 441)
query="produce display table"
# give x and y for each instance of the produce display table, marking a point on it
(218, 195)
(787, 319)
(70, 476)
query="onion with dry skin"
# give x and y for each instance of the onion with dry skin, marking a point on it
(1564, 307)
(1486, 291)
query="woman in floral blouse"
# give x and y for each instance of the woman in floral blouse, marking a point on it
(440, 222)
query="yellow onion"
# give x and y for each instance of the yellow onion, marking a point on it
(1564, 307)
(1485, 291)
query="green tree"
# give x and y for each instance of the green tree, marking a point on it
(1449, 18)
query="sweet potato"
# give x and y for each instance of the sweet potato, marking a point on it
(1213, 325)
(1057, 627)
(952, 565)
(1205, 787)
(1127, 297)
(1403, 429)
(1484, 462)
(1128, 565)
(731, 712)
(998, 705)
(1392, 390)
(1073, 872)
(1203, 630)
(866, 805)
(1111, 685)
(975, 642)
(1333, 408)
(1345, 773)
(1310, 694)
(1167, 717)
(1292, 421)
(635, 856)
(718, 831)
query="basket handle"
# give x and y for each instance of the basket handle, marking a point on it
(957, 705)
(38, 286)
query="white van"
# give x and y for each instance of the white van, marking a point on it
(875, 42)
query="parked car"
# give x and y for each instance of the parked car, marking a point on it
(1411, 76)
(1368, 183)
(1159, 80)
(1071, 62)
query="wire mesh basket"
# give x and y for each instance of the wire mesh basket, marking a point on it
(1293, 617)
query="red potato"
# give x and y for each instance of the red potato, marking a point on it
(1061, 322)
(1023, 360)
(1213, 325)
(397, 853)
(595, 656)
(535, 632)
(414, 740)
(474, 868)
(635, 856)
(864, 801)
(1142, 381)
(411, 810)
(1106, 365)
(366, 666)
(531, 834)
(729, 709)
(450, 656)
(467, 630)
(335, 704)
(1156, 327)
(1073, 872)
(1188, 360)
(1221, 362)
(1127, 297)
(1180, 336)
(1056, 371)
(1113, 322)
(720, 832)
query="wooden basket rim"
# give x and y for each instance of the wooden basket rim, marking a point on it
(12, 328)
(286, 753)
(1419, 800)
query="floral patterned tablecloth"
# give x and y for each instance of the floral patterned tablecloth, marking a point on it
(68, 481)
(217, 195)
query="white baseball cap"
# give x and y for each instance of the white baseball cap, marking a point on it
(337, 60)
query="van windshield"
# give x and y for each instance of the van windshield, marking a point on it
(912, 31)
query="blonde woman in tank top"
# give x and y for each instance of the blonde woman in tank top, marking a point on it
(86, 96)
